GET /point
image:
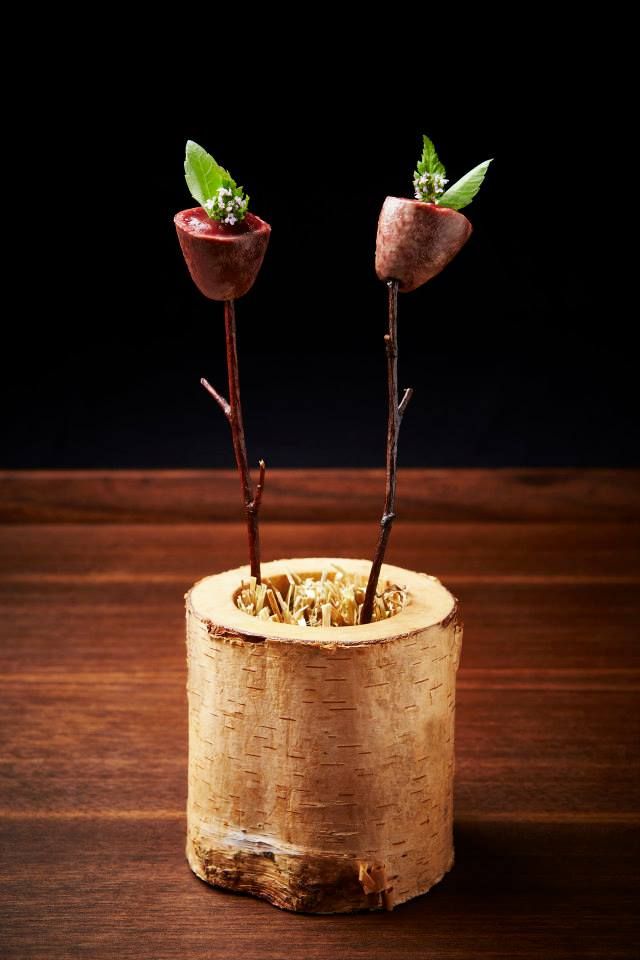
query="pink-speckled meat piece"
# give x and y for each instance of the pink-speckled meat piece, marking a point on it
(417, 240)
(223, 260)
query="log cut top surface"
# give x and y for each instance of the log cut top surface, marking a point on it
(93, 714)
(213, 599)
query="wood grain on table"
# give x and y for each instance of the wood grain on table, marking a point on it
(94, 724)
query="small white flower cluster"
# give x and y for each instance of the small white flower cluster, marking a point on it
(227, 206)
(428, 186)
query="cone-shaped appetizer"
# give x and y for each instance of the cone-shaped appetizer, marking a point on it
(418, 238)
(222, 243)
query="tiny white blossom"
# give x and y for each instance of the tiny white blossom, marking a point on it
(227, 205)
(429, 185)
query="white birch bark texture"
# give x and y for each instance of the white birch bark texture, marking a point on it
(321, 759)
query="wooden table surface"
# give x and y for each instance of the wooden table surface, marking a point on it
(94, 721)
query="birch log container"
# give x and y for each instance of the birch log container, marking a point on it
(321, 758)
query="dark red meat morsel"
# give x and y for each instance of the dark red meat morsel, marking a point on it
(223, 260)
(417, 240)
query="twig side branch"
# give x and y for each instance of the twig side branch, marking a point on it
(220, 400)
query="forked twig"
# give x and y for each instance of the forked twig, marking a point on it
(396, 412)
(232, 410)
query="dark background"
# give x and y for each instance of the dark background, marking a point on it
(513, 359)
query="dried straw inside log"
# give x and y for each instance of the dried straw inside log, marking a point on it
(321, 758)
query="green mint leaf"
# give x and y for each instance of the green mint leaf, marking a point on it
(464, 190)
(429, 162)
(203, 175)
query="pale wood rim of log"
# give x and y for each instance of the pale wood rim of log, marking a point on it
(212, 600)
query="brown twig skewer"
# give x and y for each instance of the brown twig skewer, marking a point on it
(396, 412)
(232, 410)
